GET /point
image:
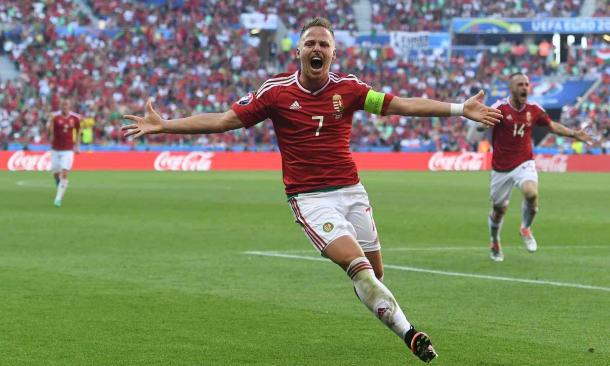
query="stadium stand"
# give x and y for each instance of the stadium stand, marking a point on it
(415, 16)
(109, 56)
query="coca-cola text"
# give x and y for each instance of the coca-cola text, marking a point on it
(457, 161)
(193, 161)
(24, 160)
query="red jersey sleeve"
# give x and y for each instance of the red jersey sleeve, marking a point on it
(251, 110)
(543, 117)
(362, 90)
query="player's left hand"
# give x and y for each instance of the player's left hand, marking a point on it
(475, 110)
(582, 135)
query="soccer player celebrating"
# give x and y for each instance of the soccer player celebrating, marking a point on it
(312, 111)
(61, 131)
(512, 160)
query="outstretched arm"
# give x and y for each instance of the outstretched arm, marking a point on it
(206, 123)
(559, 129)
(473, 109)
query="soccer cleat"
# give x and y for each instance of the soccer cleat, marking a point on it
(420, 345)
(528, 239)
(57, 203)
(495, 252)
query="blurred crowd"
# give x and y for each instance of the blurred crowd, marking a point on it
(225, 13)
(436, 15)
(193, 57)
(429, 74)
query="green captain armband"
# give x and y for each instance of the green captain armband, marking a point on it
(374, 102)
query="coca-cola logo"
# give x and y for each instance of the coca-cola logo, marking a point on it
(22, 160)
(552, 163)
(458, 161)
(193, 161)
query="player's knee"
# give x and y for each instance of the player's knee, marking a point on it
(530, 190)
(344, 262)
(343, 251)
(353, 265)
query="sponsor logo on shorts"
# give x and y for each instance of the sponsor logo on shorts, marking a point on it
(328, 227)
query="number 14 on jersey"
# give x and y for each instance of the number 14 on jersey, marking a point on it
(519, 130)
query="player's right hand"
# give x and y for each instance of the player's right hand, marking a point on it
(149, 124)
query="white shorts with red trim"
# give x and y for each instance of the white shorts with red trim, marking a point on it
(502, 183)
(326, 216)
(61, 160)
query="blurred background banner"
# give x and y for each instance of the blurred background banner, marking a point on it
(542, 25)
(205, 160)
(403, 42)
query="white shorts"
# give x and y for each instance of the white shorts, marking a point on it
(502, 183)
(326, 216)
(61, 160)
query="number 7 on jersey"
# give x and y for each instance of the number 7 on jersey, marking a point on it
(321, 119)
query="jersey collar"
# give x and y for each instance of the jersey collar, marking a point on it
(515, 109)
(307, 91)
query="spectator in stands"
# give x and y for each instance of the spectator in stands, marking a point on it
(100, 66)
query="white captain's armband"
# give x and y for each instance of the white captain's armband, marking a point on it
(374, 102)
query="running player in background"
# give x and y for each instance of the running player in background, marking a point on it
(312, 112)
(64, 125)
(513, 160)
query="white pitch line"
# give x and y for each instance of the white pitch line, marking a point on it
(480, 248)
(447, 273)
(486, 248)
(36, 184)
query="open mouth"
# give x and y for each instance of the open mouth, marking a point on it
(523, 95)
(316, 63)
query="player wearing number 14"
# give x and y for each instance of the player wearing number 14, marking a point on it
(512, 160)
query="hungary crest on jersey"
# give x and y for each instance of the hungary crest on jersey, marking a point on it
(338, 106)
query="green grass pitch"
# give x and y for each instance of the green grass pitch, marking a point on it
(151, 269)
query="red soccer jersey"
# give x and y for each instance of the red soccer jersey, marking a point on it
(313, 128)
(512, 137)
(63, 127)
